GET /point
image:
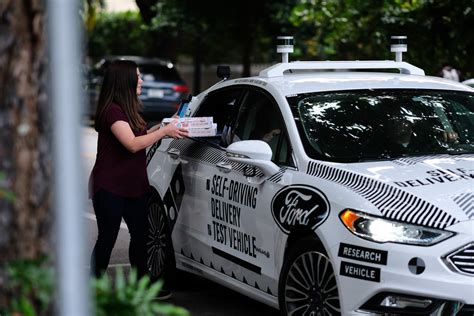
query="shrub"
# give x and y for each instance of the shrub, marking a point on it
(119, 33)
(130, 296)
(30, 284)
(29, 287)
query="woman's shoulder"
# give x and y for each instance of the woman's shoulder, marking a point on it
(114, 107)
(114, 113)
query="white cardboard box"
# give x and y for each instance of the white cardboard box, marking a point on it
(196, 126)
(191, 122)
(203, 132)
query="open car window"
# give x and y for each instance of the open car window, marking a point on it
(260, 119)
(222, 105)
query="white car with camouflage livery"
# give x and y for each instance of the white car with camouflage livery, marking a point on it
(325, 192)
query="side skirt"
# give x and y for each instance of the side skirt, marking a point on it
(191, 266)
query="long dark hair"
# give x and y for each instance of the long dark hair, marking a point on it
(120, 87)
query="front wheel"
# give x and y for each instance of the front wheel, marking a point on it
(307, 283)
(160, 253)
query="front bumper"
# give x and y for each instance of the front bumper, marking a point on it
(412, 271)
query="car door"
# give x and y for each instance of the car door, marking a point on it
(242, 231)
(197, 158)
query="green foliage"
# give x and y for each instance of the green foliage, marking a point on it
(357, 29)
(29, 287)
(119, 33)
(130, 296)
(89, 10)
(337, 29)
(4, 192)
(438, 30)
(225, 31)
(30, 284)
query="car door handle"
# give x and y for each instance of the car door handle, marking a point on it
(174, 153)
(224, 166)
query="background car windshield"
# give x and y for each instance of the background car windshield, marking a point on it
(158, 73)
(379, 124)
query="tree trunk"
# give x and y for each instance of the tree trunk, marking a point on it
(249, 23)
(246, 54)
(197, 63)
(25, 137)
(164, 44)
(146, 8)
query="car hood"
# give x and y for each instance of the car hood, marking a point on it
(436, 191)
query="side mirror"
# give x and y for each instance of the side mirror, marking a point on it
(255, 153)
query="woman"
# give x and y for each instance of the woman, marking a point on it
(118, 182)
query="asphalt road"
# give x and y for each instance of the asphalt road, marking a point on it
(201, 297)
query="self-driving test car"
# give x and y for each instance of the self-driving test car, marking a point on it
(330, 188)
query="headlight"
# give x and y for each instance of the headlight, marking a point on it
(384, 230)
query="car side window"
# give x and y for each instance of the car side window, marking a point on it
(260, 119)
(222, 105)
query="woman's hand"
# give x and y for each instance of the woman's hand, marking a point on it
(450, 136)
(174, 130)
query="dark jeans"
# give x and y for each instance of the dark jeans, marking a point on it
(109, 210)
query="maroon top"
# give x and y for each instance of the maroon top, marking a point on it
(116, 169)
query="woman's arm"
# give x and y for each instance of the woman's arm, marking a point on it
(153, 128)
(157, 126)
(124, 134)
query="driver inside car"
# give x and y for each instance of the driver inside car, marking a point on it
(399, 134)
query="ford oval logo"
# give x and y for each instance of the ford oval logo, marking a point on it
(299, 205)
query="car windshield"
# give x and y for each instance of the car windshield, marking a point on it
(154, 72)
(361, 125)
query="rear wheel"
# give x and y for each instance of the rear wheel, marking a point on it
(307, 283)
(160, 253)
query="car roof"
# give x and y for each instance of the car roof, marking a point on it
(140, 60)
(337, 81)
(469, 81)
(305, 77)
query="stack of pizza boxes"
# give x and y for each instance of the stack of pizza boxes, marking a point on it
(196, 126)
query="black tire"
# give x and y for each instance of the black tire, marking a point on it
(307, 284)
(160, 253)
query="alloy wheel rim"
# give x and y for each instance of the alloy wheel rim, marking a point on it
(156, 245)
(310, 286)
